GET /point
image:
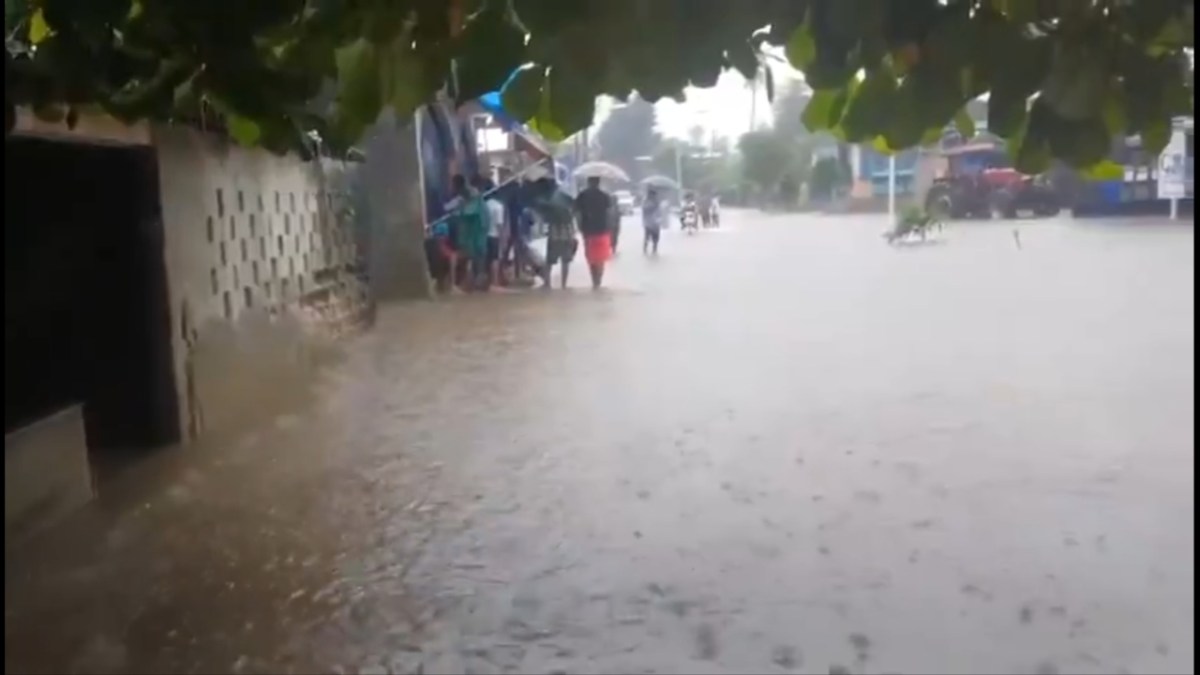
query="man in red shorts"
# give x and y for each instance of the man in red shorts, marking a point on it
(595, 207)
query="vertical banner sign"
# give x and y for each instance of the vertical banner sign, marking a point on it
(1173, 181)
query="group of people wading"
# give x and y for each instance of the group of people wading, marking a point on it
(485, 241)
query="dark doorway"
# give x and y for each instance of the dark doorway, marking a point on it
(86, 316)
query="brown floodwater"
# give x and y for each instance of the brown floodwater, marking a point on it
(779, 447)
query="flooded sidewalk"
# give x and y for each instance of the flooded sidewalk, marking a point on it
(780, 447)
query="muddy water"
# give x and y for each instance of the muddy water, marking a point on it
(780, 447)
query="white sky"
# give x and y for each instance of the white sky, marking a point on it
(725, 108)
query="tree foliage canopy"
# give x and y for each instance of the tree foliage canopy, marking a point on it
(628, 133)
(1063, 76)
(764, 159)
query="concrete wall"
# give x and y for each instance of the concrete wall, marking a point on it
(264, 275)
(46, 473)
(269, 260)
(91, 128)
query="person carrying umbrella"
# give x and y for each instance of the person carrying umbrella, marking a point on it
(555, 208)
(595, 207)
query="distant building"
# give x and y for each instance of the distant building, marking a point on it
(1136, 191)
(871, 171)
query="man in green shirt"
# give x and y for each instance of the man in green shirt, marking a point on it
(471, 218)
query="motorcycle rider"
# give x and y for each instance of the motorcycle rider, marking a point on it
(689, 213)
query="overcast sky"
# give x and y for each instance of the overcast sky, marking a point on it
(724, 108)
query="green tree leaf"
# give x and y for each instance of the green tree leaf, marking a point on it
(881, 145)
(1178, 98)
(1007, 112)
(243, 130)
(1030, 147)
(937, 95)
(824, 110)
(743, 58)
(269, 58)
(39, 30)
(1156, 136)
(572, 105)
(1078, 82)
(766, 158)
(360, 95)
(522, 96)
(402, 84)
(493, 46)
(801, 49)
(905, 126)
(1104, 170)
(1113, 112)
(868, 113)
(964, 125)
(543, 122)
(1081, 143)
(953, 40)
(1015, 66)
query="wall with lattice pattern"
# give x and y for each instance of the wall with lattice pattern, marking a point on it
(262, 266)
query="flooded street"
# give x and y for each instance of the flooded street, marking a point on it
(780, 447)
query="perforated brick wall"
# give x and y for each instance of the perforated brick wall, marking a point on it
(260, 259)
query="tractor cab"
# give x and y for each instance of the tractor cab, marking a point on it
(976, 158)
(979, 181)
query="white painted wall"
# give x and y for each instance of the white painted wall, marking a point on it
(256, 256)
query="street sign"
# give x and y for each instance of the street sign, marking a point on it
(1175, 180)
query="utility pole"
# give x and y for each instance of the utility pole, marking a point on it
(753, 101)
(679, 166)
(892, 186)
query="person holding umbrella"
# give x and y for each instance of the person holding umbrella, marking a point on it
(555, 208)
(595, 208)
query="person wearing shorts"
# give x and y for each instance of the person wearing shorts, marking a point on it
(595, 207)
(555, 208)
(441, 256)
(496, 231)
(450, 238)
(512, 238)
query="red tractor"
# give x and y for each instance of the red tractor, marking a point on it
(981, 183)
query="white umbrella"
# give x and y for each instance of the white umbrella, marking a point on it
(661, 182)
(602, 170)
